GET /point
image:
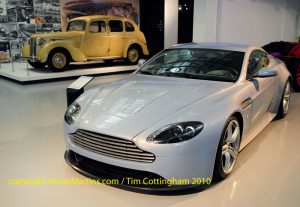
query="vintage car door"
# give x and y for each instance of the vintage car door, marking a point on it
(96, 41)
(262, 89)
(117, 38)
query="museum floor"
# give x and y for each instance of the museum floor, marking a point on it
(32, 146)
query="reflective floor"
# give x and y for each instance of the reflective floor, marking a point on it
(32, 146)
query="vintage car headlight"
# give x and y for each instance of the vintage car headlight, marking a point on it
(28, 41)
(72, 113)
(174, 133)
(40, 41)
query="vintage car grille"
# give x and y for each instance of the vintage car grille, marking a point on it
(110, 146)
(32, 47)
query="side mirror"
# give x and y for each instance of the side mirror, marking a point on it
(141, 62)
(266, 72)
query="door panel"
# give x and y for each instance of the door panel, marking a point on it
(117, 38)
(96, 40)
(262, 89)
(262, 92)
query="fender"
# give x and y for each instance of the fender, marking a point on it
(75, 53)
(135, 41)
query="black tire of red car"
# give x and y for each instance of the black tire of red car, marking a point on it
(37, 64)
(133, 55)
(296, 75)
(58, 60)
(281, 110)
(219, 171)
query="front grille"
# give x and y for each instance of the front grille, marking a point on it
(110, 146)
(32, 47)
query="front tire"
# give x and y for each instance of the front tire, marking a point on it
(37, 64)
(285, 101)
(228, 149)
(133, 55)
(58, 60)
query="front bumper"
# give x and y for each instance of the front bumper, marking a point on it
(128, 179)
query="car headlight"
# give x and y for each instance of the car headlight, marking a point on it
(72, 113)
(40, 41)
(28, 41)
(174, 133)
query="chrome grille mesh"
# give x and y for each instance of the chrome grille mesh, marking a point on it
(110, 146)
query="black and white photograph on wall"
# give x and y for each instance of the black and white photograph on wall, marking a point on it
(25, 14)
(12, 15)
(12, 3)
(25, 30)
(43, 28)
(2, 8)
(26, 2)
(8, 32)
(21, 18)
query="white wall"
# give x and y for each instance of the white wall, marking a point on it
(171, 22)
(254, 22)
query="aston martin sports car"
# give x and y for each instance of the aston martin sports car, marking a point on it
(178, 121)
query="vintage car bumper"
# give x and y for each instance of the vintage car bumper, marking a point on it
(180, 172)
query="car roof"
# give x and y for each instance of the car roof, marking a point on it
(219, 46)
(96, 17)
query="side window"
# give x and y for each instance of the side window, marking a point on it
(258, 59)
(97, 26)
(116, 26)
(129, 27)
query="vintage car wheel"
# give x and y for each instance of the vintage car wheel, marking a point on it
(228, 149)
(133, 55)
(296, 76)
(58, 60)
(285, 101)
(37, 64)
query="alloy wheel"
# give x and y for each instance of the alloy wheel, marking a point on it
(286, 97)
(230, 147)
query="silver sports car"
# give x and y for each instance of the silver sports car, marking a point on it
(180, 120)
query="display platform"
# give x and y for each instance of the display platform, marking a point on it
(23, 73)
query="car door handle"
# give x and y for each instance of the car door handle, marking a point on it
(248, 101)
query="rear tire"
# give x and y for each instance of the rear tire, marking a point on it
(285, 101)
(37, 64)
(58, 60)
(133, 55)
(228, 149)
(296, 75)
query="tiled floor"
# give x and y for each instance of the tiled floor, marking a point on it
(32, 146)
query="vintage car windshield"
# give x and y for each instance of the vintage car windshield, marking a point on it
(206, 64)
(77, 25)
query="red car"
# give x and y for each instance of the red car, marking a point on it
(289, 52)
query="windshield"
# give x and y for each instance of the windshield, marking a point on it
(206, 64)
(77, 25)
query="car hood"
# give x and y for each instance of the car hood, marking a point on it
(129, 106)
(58, 35)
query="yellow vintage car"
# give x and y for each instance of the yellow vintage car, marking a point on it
(87, 38)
